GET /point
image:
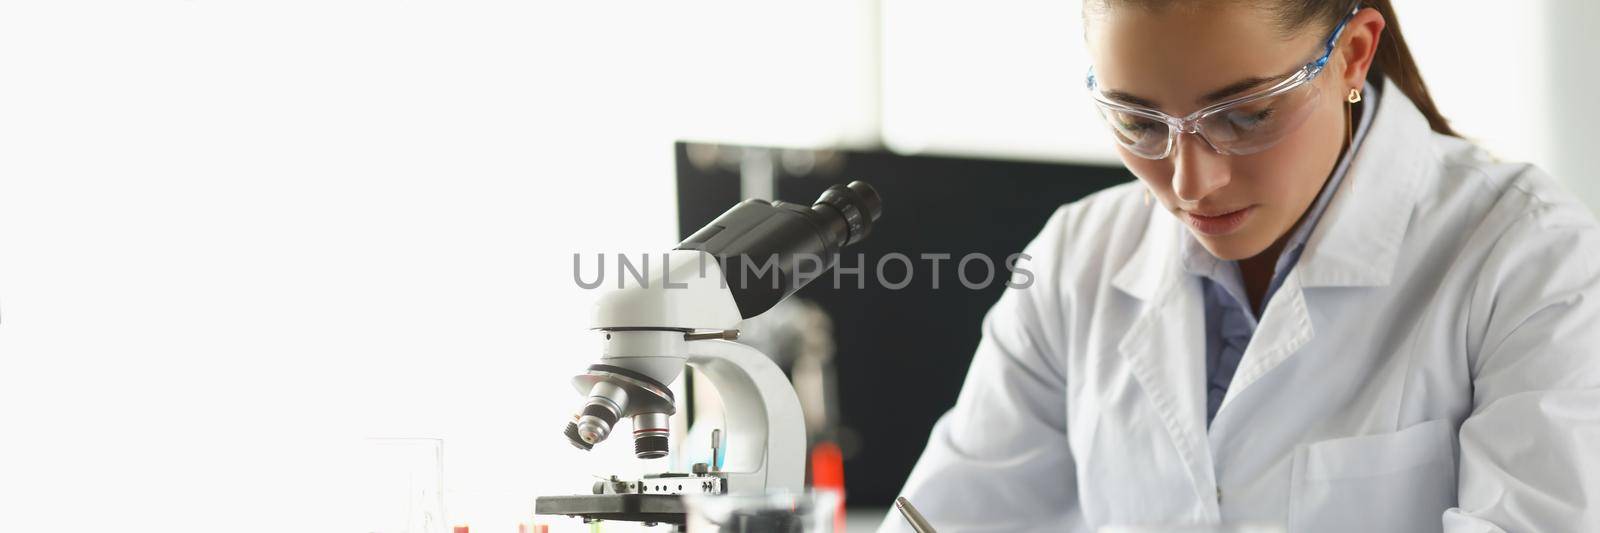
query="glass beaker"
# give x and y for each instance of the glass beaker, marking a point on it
(404, 490)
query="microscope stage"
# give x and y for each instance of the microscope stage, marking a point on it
(658, 508)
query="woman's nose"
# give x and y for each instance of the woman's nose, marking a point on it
(1198, 170)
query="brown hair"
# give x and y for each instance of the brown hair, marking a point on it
(1393, 58)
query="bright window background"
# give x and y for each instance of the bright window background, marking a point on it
(236, 238)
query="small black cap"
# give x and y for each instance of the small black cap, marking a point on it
(572, 437)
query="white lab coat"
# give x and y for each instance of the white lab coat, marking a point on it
(1432, 363)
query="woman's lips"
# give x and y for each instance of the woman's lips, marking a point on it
(1220, 224)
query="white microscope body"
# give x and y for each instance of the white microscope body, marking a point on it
(686, 312)
(647, 330)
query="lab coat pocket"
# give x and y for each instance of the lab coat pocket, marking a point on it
(1400, 481)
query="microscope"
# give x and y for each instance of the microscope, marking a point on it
(687, 313)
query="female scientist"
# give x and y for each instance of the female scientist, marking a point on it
(1317, 309)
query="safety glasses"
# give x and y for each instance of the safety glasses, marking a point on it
(1239, 126)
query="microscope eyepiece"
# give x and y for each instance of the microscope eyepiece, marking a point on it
(858, 204)
(769, 250)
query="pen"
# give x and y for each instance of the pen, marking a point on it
(918, 523)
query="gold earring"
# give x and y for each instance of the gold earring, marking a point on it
(1355, 95)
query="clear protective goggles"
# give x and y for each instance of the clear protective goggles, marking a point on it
(1238, 126)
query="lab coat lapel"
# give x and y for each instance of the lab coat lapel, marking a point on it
(1356, 244)
(1165, 348)
(1285, 327)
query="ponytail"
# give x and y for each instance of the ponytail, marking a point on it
(1394, 60)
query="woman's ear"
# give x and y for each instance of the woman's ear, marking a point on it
(1361, 37)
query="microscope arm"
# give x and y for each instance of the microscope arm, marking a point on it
(768, 452)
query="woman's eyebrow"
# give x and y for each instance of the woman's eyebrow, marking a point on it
(1129, 98)
(1211, 97)
(1235, 88)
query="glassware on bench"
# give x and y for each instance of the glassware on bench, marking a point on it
(404, 486)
